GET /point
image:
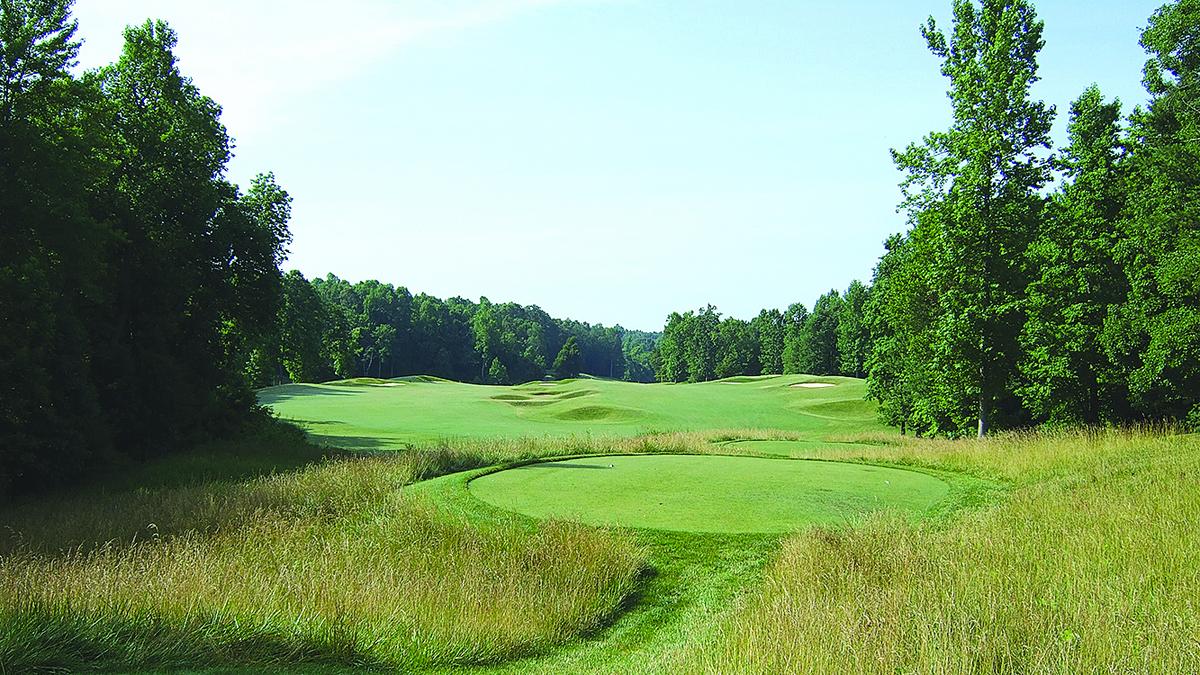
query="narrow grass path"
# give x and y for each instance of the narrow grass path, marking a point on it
(692, 578)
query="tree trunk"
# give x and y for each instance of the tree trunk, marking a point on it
(984, 408)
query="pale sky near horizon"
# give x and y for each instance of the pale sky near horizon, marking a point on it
(608, 160)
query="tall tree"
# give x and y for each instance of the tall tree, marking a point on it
(737, 350)
(134, 278)
(1155, 335)
(1067, 376)
(797, 354)
(52, 263)
(569, 359)
(852, 333)
(769, 328)
(302, 329)
(821, 333)
(899, 314)
(977, 184)
(700, 344)
(485, 329)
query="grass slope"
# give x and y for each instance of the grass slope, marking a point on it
(374, 414)
(707, 494)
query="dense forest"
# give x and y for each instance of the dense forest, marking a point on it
(136, 281)
(833, 339)
(1039, 287)
(330, 328)
(142, 301)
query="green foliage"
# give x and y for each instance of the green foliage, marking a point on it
(700, 344)
(1078, 309)
(974, 189)
(672, 363)
(497, 372)
(131, 264)
(737, 350)
(569, 359)
(374, 329)
(639, 355)
(1155, 336)
(853, 338)
(1067, 378)
(821, 333)
(769, 328)
(898, 313)
(797, 350)
(302, 329)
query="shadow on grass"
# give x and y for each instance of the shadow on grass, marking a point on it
(37, 637)
(284, 392)
(354, 443)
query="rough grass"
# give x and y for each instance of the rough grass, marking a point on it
(1087, 561)
(1091, 564)
(331, 564)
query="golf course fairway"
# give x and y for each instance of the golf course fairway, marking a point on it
(707, 493)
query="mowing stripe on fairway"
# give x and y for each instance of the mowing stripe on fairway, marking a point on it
(707, 493)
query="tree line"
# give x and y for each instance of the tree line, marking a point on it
(1036, 287)
(697, 346)
(136, 281)
(330, 328)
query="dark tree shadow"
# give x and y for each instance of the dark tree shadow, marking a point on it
(285, 392)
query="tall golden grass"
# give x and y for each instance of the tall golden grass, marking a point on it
(1090, 564)
(331, 564)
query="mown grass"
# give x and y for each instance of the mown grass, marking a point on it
(333, 564)
(379, 414)
(1091, 563)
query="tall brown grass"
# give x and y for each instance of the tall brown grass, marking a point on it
(1090, 564)
(330, 564)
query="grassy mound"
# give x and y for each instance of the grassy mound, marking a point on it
(359, 382)
(695, 493)
(596, 412)
(847, 410)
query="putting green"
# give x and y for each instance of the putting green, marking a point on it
(707, 493)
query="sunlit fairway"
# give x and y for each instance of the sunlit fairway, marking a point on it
(371, 414)
(695, 493)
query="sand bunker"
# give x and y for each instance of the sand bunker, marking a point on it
(811, 385)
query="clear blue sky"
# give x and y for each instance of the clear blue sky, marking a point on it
(608, 160)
